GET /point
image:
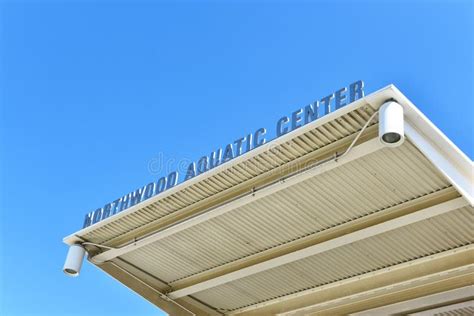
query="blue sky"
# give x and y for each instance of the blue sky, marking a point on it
(92, 91)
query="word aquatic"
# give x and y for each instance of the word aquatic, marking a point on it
(284, 125)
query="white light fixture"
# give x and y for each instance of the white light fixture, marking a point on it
(74, 259)
(391, 124)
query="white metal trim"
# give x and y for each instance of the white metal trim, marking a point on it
(446, 309)
(460, 179)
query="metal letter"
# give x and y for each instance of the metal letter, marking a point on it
(215, 158)
(191, 171)
(238, 148)
(115, 209)
(136, 196)
(356, 90)
(149, 190)
(202, 165)
(340, 98)
(260, 132)
(327, 103)
(97, 215)
(280, 123)
(88, 219)
(311, 112)
(296, 119)
(172, 179)
(228, 153)
(249, 142)
(124, 202)
(161, 185)
(106, 211)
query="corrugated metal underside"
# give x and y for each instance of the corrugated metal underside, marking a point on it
(307, 143)
(414, 241)
(462, 311)
(378, 181)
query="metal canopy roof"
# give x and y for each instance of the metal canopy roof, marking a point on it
(285, 229)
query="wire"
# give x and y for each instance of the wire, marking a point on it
(97, 245)
(335, 157)
(357, 137)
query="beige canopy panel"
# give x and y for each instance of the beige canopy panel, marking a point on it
(325, 220)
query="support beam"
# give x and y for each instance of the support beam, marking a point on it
(467, 307)
(402, 307)
(356, 153)
(377, 288)
(324, 246)
(423, 302)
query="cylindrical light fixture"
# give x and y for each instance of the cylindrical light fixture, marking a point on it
(74, 259)
(391, 124)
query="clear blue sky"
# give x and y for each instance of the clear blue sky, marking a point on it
(91, 92)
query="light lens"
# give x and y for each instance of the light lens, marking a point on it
(391, 138)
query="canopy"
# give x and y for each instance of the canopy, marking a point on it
(295, 227)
